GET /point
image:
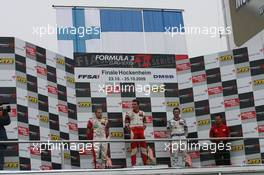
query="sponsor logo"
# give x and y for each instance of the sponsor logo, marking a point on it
(172, 104)
(198, 78)
(231, 102)
(7, 60)
(34, 150)
(21, 79)
(60, 61)
(70, 80)
(203, 108)
(248, 115)
(126, 104)
(52, 90)
(54, 137)
(149, 119)
(254, 161)
(89, 77)
(226, 58)
(115, 119)
(195, 154)
(84, 104)
(198, 64)
(158, 89)
(45, 167)
(85, 152)
(215, 90)
(113, 58)
(237, 147)
(260, 128)
(31, 51)
(117, 60)
(43, 103)
(23, 131)
(181, 57)
(62, 108)
(11, 165)
(72, 126)
(19, 63)
(42, 55)
(117, 134)
(163, 76)
(183, 67)
(143, 61)
(243, 69)
(32, 99)
(187, 110)
(203, 122)
(25, 166)
(7, 45)
(41, 70)
(109, 60)
(55, 122)
(44, 118)
(160, 134)
(258, 82)
(12, 148)
(67, 155)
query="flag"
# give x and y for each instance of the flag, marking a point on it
(120, 31)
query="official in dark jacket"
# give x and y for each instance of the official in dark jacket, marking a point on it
(4, 120)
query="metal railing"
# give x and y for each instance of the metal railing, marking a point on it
(170, 140)
(130, 140)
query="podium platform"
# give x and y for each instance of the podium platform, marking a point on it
(245, 170)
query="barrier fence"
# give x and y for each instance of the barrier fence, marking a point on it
(168, 142)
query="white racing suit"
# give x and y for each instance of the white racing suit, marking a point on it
(178, 130)
(100, 149)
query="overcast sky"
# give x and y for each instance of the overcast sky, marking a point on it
(20, 16)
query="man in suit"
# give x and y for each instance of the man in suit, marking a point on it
(4, 120)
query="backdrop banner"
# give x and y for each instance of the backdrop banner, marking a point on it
(52, 100)
(226, 83)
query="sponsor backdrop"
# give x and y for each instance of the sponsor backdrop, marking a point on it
(228, 83)
(118, 30)
(112, 81)
(40, 85)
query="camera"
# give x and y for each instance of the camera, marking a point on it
(5, 107)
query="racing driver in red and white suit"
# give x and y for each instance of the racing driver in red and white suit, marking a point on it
(98, 129)
(135, 120)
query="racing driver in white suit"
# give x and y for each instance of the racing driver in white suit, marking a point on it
(178, 130)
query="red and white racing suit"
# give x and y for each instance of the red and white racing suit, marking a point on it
(99, 131)
(178, 130)
(136, 123)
